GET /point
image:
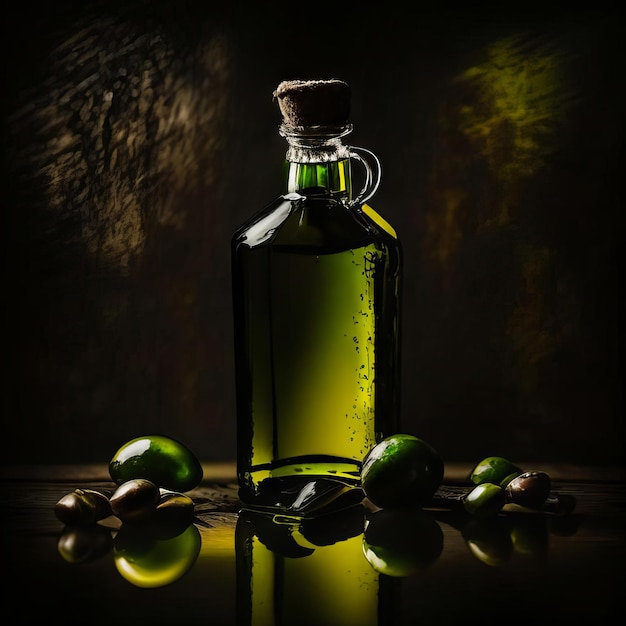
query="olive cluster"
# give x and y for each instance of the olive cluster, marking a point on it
(151, 474)
(136, 500)
(499, 482)
(144, 509)
(404, 471)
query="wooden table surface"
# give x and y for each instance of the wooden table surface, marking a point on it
(571, 570)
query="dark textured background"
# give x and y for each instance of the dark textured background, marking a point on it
(141, 134)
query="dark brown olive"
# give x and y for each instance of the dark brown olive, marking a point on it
(100, 500)
(82, 507)
(73, 510)
(135, 500)
(530, 489)
(173, 513)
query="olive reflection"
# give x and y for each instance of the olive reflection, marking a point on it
(150, 554)
(84, 544)
(489, 540)
(147, 558)
(400, 543)
(496, 540)
(305, 571)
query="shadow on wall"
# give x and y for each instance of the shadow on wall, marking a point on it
(140, 138)
(123, 326)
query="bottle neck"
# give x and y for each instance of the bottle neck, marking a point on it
(317, 162)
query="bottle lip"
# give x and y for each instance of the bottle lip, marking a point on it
(314, 132)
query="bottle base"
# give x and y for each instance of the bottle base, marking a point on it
(299, 486)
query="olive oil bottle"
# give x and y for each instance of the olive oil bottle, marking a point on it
(316, 294)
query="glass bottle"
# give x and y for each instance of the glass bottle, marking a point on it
(316, 290)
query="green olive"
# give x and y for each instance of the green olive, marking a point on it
(402, 542)
(507, 479)
(401, 471)
(530, 489)
(163, 460)
(150, 563)
(135, 500)
(485, 500)
(494, 469)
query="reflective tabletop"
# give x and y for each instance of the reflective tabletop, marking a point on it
(358, 566)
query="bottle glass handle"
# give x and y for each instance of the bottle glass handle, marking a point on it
(373, 172)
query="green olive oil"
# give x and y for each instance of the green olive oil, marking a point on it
(316, 282)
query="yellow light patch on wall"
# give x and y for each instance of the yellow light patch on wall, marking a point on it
(521, 96)
(498, 124)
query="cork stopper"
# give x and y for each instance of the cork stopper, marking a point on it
(313, 103)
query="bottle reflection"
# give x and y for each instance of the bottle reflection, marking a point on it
(307, 571)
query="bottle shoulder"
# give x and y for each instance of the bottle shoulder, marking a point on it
(379, 220)
(263, 225)
(312, 221)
